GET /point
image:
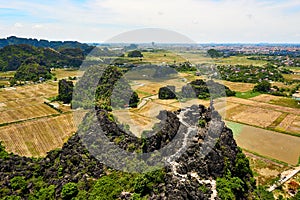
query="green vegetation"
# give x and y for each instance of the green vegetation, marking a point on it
(249, 74)
(31, 72)
(18, 183)
(135, 54)
(229, 187)
(3, 153)
(247, 95)
(110, 186)
(205, 90)
(69, 191)
(235, 127)
(13, 40)
(262, 194)
(184, 67)
(13, 56)
(234, 184)
(167, 92)
(134, 100)
(65, 91)
(263, 86)
(214, 53)
(286, 102)
(201, 123)
(113, 90)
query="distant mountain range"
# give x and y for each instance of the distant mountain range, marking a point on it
(13, 40)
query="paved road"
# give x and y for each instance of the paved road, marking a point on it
(285, 178)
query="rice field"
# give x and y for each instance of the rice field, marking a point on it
(270, 144)
(26, 112)
(37, 137)
(65, 73)
(26, 102)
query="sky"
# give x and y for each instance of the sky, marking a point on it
(202, 21)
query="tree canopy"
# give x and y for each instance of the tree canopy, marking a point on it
(135, 54)
(32, 72)
(214, 53)
(263, 86)
(65, 91)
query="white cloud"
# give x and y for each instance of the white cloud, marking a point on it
(18, 25)
(202, 20)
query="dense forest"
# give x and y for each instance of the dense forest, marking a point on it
(13, 40)
(13, 56)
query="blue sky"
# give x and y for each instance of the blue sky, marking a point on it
(201, 20)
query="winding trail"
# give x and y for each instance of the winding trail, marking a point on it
(174, 164)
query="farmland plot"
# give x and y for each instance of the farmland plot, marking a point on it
(37, 137)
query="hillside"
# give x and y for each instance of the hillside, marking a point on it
(13, 40)
(191, 175)
(13, 56)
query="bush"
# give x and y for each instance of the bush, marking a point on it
(47, 193)
(201, 123)
(18, 183)
(69, 191)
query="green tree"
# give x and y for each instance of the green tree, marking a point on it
(214, 53)
(65, 91)
(32, 72)
(263, 86)
(135, 54)
(134, 100)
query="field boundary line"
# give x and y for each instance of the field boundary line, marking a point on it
(35, 118)
(267, 128)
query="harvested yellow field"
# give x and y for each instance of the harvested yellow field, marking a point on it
(255, 116)
(8, 105)
(44, 90)
(27, 112)
(295, 126)
(137, 123)
(37, 137)
(287, 122)
(162, 57)
(224, 107)
(266, 98)
(236, 86)
(65, 73)
(267, 106)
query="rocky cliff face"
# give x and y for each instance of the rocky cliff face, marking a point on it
(200, 155)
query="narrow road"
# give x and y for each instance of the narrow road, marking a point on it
(284, 178)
